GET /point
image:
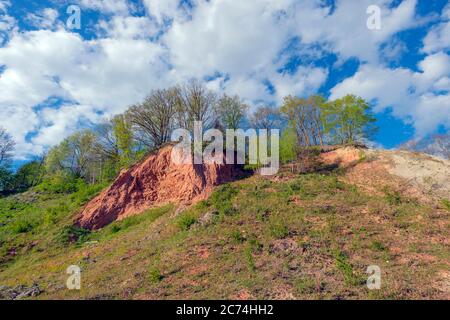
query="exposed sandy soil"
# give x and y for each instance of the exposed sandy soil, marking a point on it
(415, 174)
(157, 180)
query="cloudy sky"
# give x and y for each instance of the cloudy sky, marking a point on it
(55, 79)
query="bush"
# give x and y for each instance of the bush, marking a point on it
(378, 246)
(237, 236)
(73, 234)
(221, 199)
(305, 285)
(392, 197)
(186, 221)
(223, 194)
(278, 228)
(249, 257)
(53, 214)
(154, 275)
(446, 204)
(343, 265)
(22, 226)
(61, 182)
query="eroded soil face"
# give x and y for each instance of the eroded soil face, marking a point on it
(153, 182)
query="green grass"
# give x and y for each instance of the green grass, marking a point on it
(154, 275)
(307, 236)
(186, 221)
(446, 204)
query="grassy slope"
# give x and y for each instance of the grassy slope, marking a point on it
(291, 236)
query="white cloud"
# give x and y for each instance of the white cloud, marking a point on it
(161, 9)
(345, 31)
(438, 38)
(46, 19)
(106, 74)
(107, 6)
(241, 43)
(411, 95)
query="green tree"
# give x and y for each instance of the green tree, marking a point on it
(6, 178)
(28, 175)
(124, 136)
(6, 147)
(114, 146)
(305, 117)
(231, 111)
(75, 155)
(349, 120)
(288, 145)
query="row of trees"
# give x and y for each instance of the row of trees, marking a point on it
(99, 153)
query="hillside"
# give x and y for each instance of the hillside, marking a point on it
(310, 232)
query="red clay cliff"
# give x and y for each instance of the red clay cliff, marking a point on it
(152, 182)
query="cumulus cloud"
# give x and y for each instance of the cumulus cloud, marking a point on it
(438, 38)
(107, 6)
(239, 46)
(45, 19)
(106, 74)
(411, 95)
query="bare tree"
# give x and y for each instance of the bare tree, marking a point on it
(231, 111)
(6, 147)
(154, 118)
(266, 118)
(106, 145)
(443, 144)
(305, 116)
(196, 103)
(438, 145)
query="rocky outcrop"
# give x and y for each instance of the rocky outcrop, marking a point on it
(152, 182)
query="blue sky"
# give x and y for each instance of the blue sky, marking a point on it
(55, 80)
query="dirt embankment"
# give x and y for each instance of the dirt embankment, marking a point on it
(154, 181)
(415, 174)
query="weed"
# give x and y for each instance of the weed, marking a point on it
(446, 204)
(344, 266)
(155, 275)
(115, 229)
(378, 246)
(186, 221)
(392, 197)
(304, 285)
(22, 226)
(249, 257)
(278, 228)
(237, 236)
(72, 234)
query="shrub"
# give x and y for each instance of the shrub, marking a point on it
(73, 234)
(446, 204)
(237, 236)
(278, 228)
(115, 229)
(22, 226)
(304, 285)
(392, 197)
(343, 265)
(53, 213)
(60, 182)
(221, 199)
(155, 275)
(378, 246)
(249, 257)
(186, 221)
